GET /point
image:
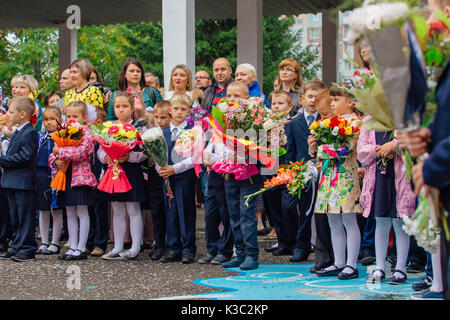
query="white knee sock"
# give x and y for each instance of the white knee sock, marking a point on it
(402, 242)
(83, 215)
(338, 239)
(382, 229)
(44, 226)
(72, 227)
(136, 226)
(353, 240)
(57, 228)
(437, 285)
(119, 225)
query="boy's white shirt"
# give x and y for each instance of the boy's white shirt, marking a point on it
(186, 163)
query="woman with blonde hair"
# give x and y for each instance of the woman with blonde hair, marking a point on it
(289, 79)
(181, 82)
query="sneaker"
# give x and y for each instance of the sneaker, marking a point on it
(425, 283)
(97, 252)
(367, 259)
(6, 256)
(219, 259)
(233, 263)
(249, 264)
(21, 257)
(207, 259)
(188, 258)
(126, 254)
(414, 267)
(156, 254)
(170, 256)
(427, 295)
(111, 256)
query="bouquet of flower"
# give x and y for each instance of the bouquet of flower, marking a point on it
(197, 114)
(69, 134)
(250, 117)
(336, 131)
(155, 147)
(294, 175)
(191, 143)
(117, 139)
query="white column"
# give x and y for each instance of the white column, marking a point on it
(250, 35)
(178, 23)
(330, 42)
(67, 46)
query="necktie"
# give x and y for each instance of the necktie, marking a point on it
(310, 119)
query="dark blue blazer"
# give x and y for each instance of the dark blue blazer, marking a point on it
(297, 134)
(19, 163)
(436, 170)
(170, 145)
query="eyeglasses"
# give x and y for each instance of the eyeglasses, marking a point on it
(287, 69)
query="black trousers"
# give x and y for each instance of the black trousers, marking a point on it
(5, 226)
(323, 249)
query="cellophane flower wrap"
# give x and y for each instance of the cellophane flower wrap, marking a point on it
(294, 175)
(264, 145)
(69, 134)
(190, 144)
(334, 139)
(155, 147)
(117, 139)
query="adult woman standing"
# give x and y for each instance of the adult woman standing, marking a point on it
(246, 73)
(80, 71)
(132, 79)
(289, 79)
(181, 82)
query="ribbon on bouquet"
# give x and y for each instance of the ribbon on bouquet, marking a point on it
(330, 154)
(257, 152)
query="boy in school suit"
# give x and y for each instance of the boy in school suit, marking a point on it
(20, 181)
(181, 210)
(297, 149)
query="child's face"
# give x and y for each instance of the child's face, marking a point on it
(179, 112)
(53, 100)
(308, 100)
(123, 109)
(76, 114)
(49, 119)
(162, 118)
(15, 117)
(280, 104)
(20, 89)
(324, 109)
(236, 93)
(341, 105)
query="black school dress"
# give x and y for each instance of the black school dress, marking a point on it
(75, 196)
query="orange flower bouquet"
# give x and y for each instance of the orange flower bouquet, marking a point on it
(70, 134)
(294, 175)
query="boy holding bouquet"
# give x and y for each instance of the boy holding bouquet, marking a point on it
(181, 210)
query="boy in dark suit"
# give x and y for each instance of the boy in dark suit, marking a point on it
(181, 210)
(20, 181)
(297, 149)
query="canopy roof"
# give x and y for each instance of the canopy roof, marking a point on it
(49, 13)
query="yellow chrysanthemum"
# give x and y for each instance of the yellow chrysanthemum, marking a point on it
(348, 130)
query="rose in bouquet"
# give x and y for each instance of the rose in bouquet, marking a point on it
(294, 175)
(117, 139)
(263, 130)
(155, 147)
(69, 134)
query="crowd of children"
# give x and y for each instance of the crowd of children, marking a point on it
(30, 159)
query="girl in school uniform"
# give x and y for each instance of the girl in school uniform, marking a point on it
(79, 183)
(50, 118)
(126, 202)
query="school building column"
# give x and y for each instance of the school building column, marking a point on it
(329, 46)
(250, 35)
(178, 24)
(67, 46)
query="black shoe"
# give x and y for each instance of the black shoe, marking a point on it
(348, 276)
(329, 273)
(156, 254)
(318, 266)
(299, 256)
(22, 257)
(271, 249)
(188, 258)
(81, 256)
(425, 283)
(415, 267)
(282, 252)
(207, 259)
(170, 257)
(6, 256)
(3, 247)
(367, 259)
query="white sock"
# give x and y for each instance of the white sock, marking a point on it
(382, 229)
(402, 242)
(44, 226)
(83, 215)
(437, 285)
(353, 240)
(57, 229)
(338, 239)
(72, 226)
(136, 226)
(119, 225)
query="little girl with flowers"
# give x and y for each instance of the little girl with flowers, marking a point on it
(339, 190)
